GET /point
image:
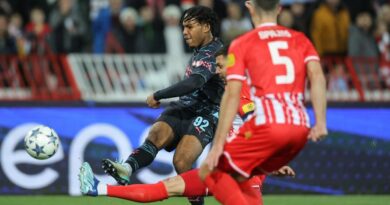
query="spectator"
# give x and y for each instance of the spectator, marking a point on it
(286, 18)
(329, 28)
(7, 43)
(15, 27)
(300, 17)
(362, 45)
(151, 28)
(235, 24)
(356, 6)
(172, 30)
(5, 7)
(68, 26)
(361, 41)
(37, 32)
(107, 19)
(383, 40)
(219, 6)
(15, 30)
(124, 39)
(338, 79)
(175, 45)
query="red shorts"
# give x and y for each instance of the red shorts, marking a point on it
(262, 149)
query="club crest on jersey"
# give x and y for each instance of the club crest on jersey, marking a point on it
(231, 60)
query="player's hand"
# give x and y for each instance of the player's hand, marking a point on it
(284, 171)
(318, 132)
(152, 102)
(213, 157)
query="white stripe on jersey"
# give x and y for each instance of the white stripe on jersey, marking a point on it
(259, 110)
(295, 115)
(279, 112)
(287, 108)
(300, 101)
(268, 108)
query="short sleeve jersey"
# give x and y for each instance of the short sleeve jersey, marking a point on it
(274, 59)
(205, 100)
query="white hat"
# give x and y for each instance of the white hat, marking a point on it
(128, 13)
(171, 11)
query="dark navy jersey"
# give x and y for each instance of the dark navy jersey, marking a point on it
(205, 100)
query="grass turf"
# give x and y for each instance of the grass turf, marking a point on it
(268, 200)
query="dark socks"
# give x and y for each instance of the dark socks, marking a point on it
(142, 156)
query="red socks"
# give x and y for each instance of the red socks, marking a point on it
(251, 194)
(225, 189)
(139, 192)
(194, 186)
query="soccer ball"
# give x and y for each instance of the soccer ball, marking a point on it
(41, 142)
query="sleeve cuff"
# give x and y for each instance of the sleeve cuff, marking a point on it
(311, 58)
(235, 77)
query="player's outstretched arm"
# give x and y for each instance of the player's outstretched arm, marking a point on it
(179, 89)
(318, 98)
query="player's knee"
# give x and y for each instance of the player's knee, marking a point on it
(158, 139)
(175, 186)
(153, 136)
(182, 164)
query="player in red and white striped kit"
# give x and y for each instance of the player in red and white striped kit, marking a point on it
(276, 61)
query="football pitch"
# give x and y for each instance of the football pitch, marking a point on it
(268, 200)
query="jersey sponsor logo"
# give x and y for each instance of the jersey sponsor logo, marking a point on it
(231, 60)
(202, 63)
(249, 107)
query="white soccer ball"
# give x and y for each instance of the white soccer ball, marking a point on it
(41, 142)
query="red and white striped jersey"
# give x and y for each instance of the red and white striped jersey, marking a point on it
(273, 60)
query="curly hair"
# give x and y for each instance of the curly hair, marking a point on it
(203, 15)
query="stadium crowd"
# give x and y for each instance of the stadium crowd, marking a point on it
(353, 28)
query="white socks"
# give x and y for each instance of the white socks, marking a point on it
(128, 167)
(102, 189)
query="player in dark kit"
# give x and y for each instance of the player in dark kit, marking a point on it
(188, 124)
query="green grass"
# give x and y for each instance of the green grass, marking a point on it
(268, 200)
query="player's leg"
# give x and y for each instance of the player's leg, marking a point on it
(250, 193)
(238, 157)
(199, 133)
(89, 185)
(160, 135)
(224, 188)
(187, 184)
(187, 152)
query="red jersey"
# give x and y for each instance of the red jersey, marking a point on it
(274, 59)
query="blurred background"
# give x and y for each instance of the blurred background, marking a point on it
(85, 68)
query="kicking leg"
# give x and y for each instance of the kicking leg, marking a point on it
(160, 135)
